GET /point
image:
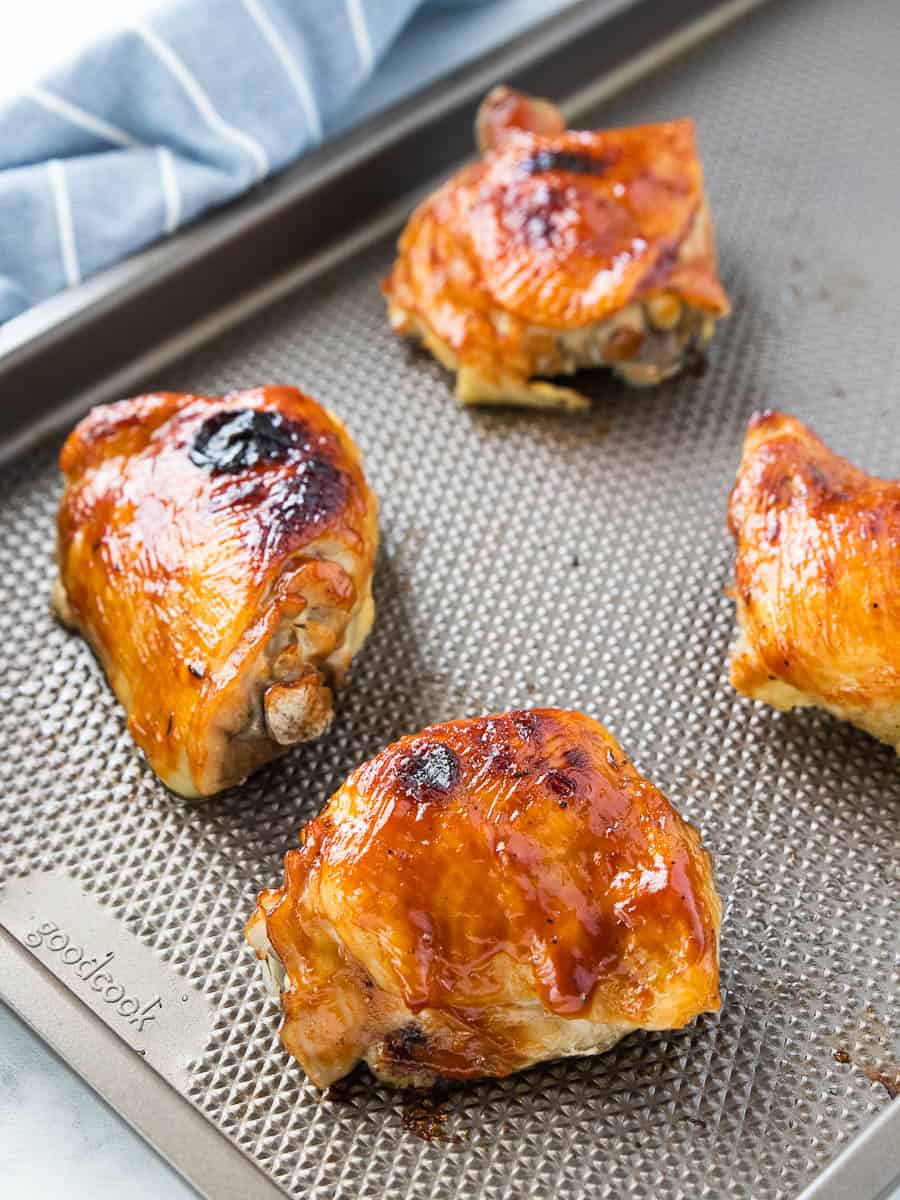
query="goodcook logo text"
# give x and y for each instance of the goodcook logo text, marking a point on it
(96, 972)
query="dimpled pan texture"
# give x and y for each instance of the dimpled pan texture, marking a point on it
(574, 561)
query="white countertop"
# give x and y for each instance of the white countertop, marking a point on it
(59, 1141)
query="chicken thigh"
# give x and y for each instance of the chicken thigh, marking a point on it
(817, 579)
(217, 554)
(560, 250)
(485, 895)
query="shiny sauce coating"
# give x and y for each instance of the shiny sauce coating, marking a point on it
(560, 231)
(526, 837)
(181, 535)
(817, 573)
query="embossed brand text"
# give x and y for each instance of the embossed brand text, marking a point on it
(94, 970)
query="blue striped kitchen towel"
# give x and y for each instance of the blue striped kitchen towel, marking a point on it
(155, 123)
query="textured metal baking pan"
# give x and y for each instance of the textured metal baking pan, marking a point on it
(526, 559)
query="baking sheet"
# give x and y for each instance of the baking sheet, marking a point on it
(526, 560)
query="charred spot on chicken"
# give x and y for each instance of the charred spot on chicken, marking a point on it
(240, 438)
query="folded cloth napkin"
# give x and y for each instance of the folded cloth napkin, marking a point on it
(166, 118)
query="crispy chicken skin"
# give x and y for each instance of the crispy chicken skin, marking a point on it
(485, 895)
(559, 250)
(217, 554)
(817, 579)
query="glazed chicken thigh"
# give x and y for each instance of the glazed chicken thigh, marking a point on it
(217, 554)
(560, 250)
(484, 895)
(817, 579)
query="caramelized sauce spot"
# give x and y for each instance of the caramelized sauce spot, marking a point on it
(238, 439)
(559, 784)
(432, 769)
(400, 1045)
(424, 1117)
(577, 758)
(526, 724)
(566, 160)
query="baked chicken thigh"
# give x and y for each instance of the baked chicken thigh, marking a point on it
(217, 554)
(560, 250)
(817, 579)
(485, 895)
